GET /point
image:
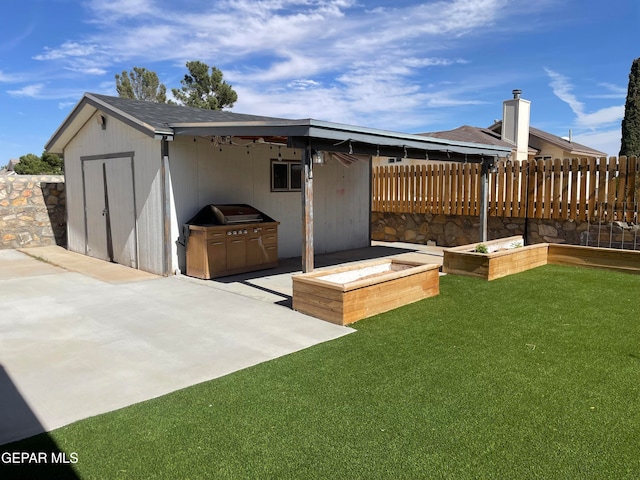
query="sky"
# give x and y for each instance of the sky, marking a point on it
(404, 65)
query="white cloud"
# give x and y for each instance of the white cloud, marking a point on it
(111, 10)
(65, 105)
(89, 71)
(563, 89)
(8, 78)
(607, 141)
(615, 91)
(603, 116)
(27, 91)
(319, 35)
(302, 84)
(334, 59)
(68, 49)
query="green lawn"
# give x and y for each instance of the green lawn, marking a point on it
(536, 375)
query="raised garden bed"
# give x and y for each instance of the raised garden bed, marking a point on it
(504, 257)
(594, 257)
(346, 294)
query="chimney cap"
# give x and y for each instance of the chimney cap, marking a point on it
(516, 93)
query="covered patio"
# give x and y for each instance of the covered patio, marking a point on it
(136, 172)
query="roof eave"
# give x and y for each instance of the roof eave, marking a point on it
(83, 111)
(308, 129)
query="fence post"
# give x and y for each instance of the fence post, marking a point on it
(484, 199)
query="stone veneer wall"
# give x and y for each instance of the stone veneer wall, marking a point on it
(454, 230)
(32, 211)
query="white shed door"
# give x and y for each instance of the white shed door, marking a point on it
(95, 210)
(111, 218)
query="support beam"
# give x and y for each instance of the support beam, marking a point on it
(166, 209)
(307, 211)
(484, 200)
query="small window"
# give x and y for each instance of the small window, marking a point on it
(286, 176)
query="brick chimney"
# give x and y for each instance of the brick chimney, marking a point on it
(516, 115)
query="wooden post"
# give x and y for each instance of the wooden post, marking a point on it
(484, 200)
(166, 210)
(307, 211)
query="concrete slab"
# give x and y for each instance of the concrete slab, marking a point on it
(73, 346)
(75, 262)
(14, 264)
(275, 285)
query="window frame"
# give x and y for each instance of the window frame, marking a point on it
(291, 170)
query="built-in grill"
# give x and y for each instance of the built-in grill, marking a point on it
(230, 239)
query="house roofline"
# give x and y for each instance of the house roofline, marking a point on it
(302, 132)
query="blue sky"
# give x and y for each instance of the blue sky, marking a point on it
(406, 66)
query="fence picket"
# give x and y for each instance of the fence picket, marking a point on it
(573, 209)
(575, 189)
(564, 205)
(454, 188)
(621, 196)
(602, 188)
(557, 181)
(461, 192)
(611, 188)
(466, 200)
(633, 184)
(516, 194)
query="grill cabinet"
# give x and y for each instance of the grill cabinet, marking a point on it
(230, 239)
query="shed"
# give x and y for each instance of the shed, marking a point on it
(137, 171)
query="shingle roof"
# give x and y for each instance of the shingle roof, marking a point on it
(470, 134)
(162, 121)
(161, 115)
(467, 133)
(491, 136)
(573, 147)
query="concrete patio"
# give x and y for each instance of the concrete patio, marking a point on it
(80, 337)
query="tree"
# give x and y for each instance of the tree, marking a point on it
(141, 84)
(48, 164)
(630, 144)
(202, 89)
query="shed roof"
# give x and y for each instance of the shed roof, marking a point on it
(164, 120)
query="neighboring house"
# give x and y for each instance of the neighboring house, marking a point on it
(151, 167)
(525, 141)
(10, 168)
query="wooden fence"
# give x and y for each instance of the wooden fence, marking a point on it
(578, 189)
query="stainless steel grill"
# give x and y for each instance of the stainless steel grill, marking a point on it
(230, 239)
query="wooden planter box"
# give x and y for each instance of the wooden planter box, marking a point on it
(344, 295)
(594, 257)
(504, 261)
(464, 260)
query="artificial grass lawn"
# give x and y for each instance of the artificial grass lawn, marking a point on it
(535, 375)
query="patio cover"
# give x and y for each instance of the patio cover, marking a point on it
(164, 122)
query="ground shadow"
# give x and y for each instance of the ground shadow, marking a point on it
(54, 199)
(26, 450)
(292, 265)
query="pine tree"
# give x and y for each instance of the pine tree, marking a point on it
(202, 89)
(630, 144)
(141, 84)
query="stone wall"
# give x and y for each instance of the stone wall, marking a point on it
(32, 211)
(455, 230)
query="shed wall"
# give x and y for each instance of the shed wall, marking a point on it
(92, 140)
(203, 173)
